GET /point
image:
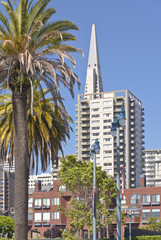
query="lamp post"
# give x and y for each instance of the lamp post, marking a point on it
(130, 215)
(95, 149)
(118, 121)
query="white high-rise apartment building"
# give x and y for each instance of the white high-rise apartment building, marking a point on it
(95, 112)
(152, 167)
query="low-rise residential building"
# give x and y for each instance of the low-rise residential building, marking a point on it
(43, 214)
(143, 203)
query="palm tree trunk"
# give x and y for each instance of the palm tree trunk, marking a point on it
(19, 101)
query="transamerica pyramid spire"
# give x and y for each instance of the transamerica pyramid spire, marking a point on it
(93, 78)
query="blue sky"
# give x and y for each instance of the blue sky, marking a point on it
(129, 42)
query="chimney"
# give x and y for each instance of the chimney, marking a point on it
(142, 180)
(37, 186)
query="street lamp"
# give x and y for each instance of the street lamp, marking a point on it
(118, 121)
(130, 213)
(95, 149)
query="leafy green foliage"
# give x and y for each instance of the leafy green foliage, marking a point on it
(77, 176)
(47, 129)
(152, 224)
(146, 238)
(6, 225)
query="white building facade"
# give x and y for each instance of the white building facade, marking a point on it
(152, 167)
(95, 112)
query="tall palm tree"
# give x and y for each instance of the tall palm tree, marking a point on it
(47, 130)
(32, 48)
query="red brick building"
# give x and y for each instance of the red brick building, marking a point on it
(143, 202)
(44, 217)
(43, 214)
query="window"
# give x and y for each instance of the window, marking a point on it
(107, 108)
(107, 145)
(62, 188)
(146, 198)
(95, 128)
(135, 198)
(107, 127)
(95, 134)
(55, 215)
(107, 164)
(155, 198)
(95, 109)
(145, 213)
(107, 139)
(30, 216)
(107, 158)
(55, 201)
(46, 216)
(38, 202)
(95, 121)
(107, 102)
(30, 202)
(123, 201)
(95, 116)
(156, 213)
(95, 103)
(107, 121)
(37, 217)
(46, 202)
(108, 151)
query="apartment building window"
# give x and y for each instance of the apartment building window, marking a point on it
(145, 213)
(30, 216)
(107, 158)
(95, 103)
(146, 199)
(107, 139)
(55, 215)
(107, 102)
(95, 134)
(95, 128)
(107, 164)
(108, 151)
(95, 116)
(107, 145)
(46, 216)
(107, 127)
(46, 202)
(135, 198)
(107, 108)
(155, 198)
(30, 202)
(95, 109)
(55, 201)
(107, 114)
(107, 121)
(156, 213)
(37, 217)
(95, 121)
(38, 202)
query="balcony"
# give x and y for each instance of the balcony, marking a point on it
(47, 224)
(37, 207)
(38, 224)
(45, 207)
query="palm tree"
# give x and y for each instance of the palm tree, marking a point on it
(32, 48)
(47, 130)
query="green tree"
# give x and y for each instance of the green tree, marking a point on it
(47, 129)
(152, 224)
(32, 47)
(6, 226)
(77, 176)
